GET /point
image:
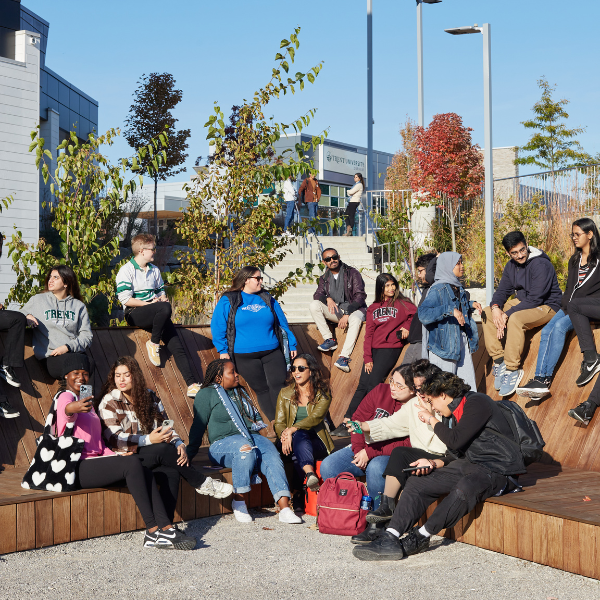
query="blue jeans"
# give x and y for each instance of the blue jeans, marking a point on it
(226, 452)
(307, 449)
(312, 213)
(552, 342)
(290, 209)
(341, 461)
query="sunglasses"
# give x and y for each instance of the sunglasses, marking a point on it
(300, 369)
(330, 258)
(257, 277)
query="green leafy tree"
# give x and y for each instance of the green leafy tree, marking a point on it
(553, 145)
(87, 189)
(229, 220)
(150, 115)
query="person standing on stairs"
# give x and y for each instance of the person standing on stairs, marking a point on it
(141, 291)
(311, 192)
(355, 194)
(340, 298)
(290, 196)
(530, 277)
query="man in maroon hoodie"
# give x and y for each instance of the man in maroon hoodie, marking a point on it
(371, 460)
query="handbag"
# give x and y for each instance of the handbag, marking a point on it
(338, 506)
(54, 465)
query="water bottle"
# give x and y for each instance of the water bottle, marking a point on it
(366, 503)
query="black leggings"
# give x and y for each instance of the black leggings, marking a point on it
(156, 318)
(351, 213)
(465, 484)
(108, 470)
(384, 360)
(400, 458)
(55, 365)
(13, 323)
(161, 459)
(265, 373)
(582, 311)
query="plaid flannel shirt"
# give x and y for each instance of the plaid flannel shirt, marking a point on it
(121, 426)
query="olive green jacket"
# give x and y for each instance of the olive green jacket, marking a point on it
(285, 415)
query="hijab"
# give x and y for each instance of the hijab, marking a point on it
(444, 268)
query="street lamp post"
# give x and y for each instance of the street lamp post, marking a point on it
(488, 152)
(369, 92)
(420, 57)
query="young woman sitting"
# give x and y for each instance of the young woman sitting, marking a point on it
(225, 408)
(108, 468)
(299, 418)
(133, 417)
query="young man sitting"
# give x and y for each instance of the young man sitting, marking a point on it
(141, 291)
(531, 278)
(340, 298)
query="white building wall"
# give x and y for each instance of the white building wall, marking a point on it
(19, 116)
(169, 195)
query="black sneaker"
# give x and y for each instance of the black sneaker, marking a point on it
(372, 532)
(538, 387)
(6, 410)
(150, 539)
(414, 542)
(8, 374)
(386, 547)
(311, 481)
(588, 370)
(583, 412)
(384, 512)
(341, 431)
(174, 539)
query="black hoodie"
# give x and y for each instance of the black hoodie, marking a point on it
(415, 333)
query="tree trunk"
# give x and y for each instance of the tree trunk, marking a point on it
(155, 211)
(451, 214)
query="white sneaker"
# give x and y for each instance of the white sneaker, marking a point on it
(240, 511)
(153, 353)
(215, 488)
(193, 390)
(287, 515)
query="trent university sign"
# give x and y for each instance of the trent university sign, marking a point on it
(341, 161)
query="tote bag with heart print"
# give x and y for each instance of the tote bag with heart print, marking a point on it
(54, 465)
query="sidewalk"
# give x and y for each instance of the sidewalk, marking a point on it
(247, 562)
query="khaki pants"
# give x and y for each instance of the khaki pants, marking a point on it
(320, 314)
(511, 345)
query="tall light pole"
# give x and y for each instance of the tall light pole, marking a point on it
(420, 57)
(488, 152)
(369, 92)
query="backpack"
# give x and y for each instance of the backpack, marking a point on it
(525, 431)
(338, 506)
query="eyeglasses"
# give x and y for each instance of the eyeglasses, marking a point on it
(398, 386)
(300, 369)
(257, 277)
(151, 249)
(520, 252)
(330, 258)
(577, 235)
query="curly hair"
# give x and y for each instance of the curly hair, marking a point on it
(142, 400)
(318, 384)
(444, 383)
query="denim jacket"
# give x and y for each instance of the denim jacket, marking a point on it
(437, 315)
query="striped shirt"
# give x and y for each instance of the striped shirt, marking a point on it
(122, 430)
(134, 282)
(583, 271)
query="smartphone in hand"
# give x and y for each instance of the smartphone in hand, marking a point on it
(167, 424)
(86, 392)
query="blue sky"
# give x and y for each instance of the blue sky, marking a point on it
(224, 51)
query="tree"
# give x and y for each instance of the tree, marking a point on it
(225, 224)
(448, 166)
(149, 116)
(398, 173)
(553, 146)
(87, 189)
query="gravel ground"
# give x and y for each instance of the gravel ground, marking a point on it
(270, 560)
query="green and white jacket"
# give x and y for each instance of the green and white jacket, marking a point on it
(134, 282)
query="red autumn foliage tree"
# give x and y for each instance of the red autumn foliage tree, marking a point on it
(447, 164)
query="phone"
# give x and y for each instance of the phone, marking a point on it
(355, 425)
(413, 469)
(85, 392)
(167, 423)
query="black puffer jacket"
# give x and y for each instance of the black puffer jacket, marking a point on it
(472, 436)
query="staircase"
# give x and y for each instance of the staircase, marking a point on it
(352, 250)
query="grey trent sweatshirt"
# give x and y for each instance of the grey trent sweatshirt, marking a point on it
(61, 322)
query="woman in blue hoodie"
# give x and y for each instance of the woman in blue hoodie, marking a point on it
(60, 320)
(246, 327)
(447, 313)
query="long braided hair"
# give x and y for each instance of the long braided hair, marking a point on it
(214, 374)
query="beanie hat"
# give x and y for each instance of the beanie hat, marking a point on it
(76, 361)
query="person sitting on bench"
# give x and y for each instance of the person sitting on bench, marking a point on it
(60, 320)
(107, 468)
(530, 277)
(479, 463)
(141, 291)
(132, 416)
(225, 409)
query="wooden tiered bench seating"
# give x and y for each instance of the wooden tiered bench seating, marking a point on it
(552, 522)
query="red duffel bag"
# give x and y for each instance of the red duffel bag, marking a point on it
(338, 506)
